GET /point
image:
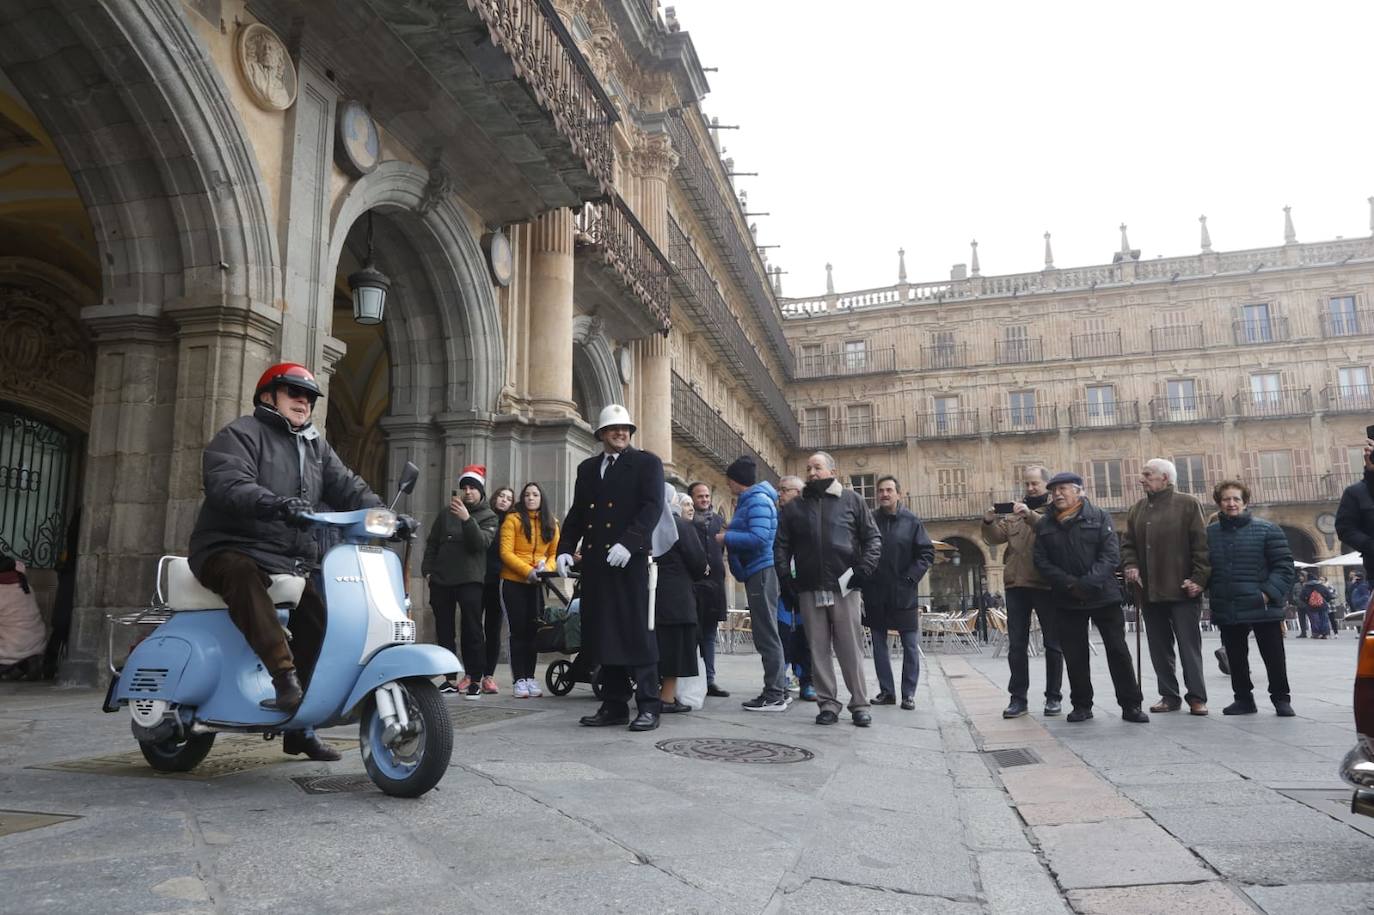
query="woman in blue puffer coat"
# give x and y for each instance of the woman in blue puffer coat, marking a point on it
(1252, 573)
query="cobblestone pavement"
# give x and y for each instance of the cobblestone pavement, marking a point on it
(537, 814)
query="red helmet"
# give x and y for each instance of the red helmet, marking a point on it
(292, 373)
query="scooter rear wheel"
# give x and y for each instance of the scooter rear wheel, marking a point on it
(172, 755)
(414, 764)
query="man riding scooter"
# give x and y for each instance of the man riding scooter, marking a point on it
(263, 474)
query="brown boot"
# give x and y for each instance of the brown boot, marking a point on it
(297, 742)
(289, 692)
(1165, 705)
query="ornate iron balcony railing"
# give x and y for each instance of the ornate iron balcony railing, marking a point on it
(1357, 398)
(1112, 414)
(839, 365)
(1012, 420)
(954, 424)
(703, 428)
(1024, 349)
(1190, 409)
(1092, 346)
(625, 245)
(1273, 329)
(844, 433)
(1284, 402)
(1175, 336)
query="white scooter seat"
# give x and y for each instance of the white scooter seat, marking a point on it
(185, 592)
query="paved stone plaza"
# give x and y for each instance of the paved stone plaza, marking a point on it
(1203, 815)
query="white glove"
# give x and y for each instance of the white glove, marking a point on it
(533, 577)
(564, 563)
(618, 556)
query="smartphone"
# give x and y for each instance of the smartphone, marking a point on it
(1003, 508)
(454, 493)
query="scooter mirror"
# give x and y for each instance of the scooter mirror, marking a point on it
(409, 476)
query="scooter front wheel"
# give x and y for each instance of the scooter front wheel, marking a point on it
(414, 761)
(173, 755)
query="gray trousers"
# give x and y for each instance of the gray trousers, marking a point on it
(761, 590)
(1165, 623)
(835, 627)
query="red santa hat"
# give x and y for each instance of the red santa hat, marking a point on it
(477, 474)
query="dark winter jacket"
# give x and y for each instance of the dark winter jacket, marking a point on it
(1305, 596)
(456, 551)
(1359, 596)
(494, 550)
(890, 592)
(710, 591)
(1355, 520)
(674, 599)
(249, 467)
(749, 537)
(1079, 556)
(827, 531)
(1252, 570)
(1164, 539)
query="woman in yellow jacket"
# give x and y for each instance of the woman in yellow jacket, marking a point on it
(529, 545)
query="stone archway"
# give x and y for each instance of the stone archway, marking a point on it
(956, 585)
(1301, 543)
(596, 379)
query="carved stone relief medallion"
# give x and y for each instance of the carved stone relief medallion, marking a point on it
(265, 67)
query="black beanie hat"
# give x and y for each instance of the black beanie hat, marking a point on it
(743, 471)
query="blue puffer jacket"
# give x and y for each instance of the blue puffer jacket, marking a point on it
(1250, 559)
(749, 538)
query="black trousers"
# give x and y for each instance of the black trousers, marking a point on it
(466, 599)
(235, 577)
(522, 603)
(1073, 639)
(615, 688)
(1165, 623)
(491, 617)
(1269, 639)
(1021, 602)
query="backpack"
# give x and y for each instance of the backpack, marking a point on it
(1315, 600)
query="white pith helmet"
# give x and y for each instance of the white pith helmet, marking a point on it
(614, 415)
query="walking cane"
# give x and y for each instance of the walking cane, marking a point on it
(1139, 625)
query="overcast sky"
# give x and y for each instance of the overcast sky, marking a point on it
(886, 124)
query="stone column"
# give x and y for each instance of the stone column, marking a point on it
(654, 159)
(551, 316)
(655, 398)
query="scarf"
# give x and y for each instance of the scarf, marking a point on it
(1068, 513)
(1036, 501)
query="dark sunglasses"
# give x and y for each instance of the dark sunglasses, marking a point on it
(293, 390)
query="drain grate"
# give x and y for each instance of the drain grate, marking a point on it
(1016, 756)
(333, 784)
(729, 749)
(475, 714)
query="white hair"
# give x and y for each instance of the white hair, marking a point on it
(680, 501)
(829, 461)
(1165, 467)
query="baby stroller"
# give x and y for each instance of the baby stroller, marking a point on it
(560, 632)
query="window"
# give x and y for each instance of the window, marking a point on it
(1181, 397)
(946, 413)
(1022, 409)
(951, 481)
(1264, 389)
(1341, 310)
(812, 358)
(855, 355)
(1275, 465)
(1015, 344)
(1101, 405)
(1255, 324)
(943, 350)
(814, 423)
(1106, 482)
(860, 417)
(864, 484)
(1192, 476)
(1354, 457)
(1353, 382)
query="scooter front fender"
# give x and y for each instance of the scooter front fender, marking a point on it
(399, 662)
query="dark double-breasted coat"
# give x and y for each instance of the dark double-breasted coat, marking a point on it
(623, 508)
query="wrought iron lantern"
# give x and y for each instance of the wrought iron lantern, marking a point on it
(369, 286)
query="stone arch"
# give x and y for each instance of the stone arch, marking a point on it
(1302, 543)
(952, 585)
(595, 373)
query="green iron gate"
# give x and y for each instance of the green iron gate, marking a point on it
(35, 481)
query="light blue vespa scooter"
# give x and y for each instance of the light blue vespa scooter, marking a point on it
(195, 676)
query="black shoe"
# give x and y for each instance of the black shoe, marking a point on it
(289, 693)
(1283, 708)
(908, 703)
(1016, 709)
(716, 692)
(862, 718)
(644, 721)
(1135, 715)
(676, 707)
(448, 688)
(604, 718)
(1080, 714)
(827, 717)
(474, 690)
(884, 698)
(1053, 707)
(1240, 708)
(1303, 636)
(1222, 662)
(298, 742)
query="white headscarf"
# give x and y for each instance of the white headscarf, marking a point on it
(665, 531)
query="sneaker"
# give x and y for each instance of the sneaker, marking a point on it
(532, 687)
(1222, 662)
(521, 690)
(448, 688)
(489, 686)
(474, 691)
(760, 704)
(464, 683)
(808, 693)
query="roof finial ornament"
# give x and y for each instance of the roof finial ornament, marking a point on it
(1206, 236)
(901, 265)
(777, 281)
(974, 268)
(829, 280)
(1125, 243)
(1049, 255)
(1290, 237)
(1371, 215)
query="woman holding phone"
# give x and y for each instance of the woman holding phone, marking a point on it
(529, 546)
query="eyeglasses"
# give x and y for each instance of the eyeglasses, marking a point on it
(293, 390)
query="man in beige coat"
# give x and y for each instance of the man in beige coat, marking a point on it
(1164, 557)
(1026, 592)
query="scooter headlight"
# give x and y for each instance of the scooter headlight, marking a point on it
(380, 522)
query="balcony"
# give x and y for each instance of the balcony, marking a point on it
(1272, 330)
(840, 365)
(1347, 323)
(855, 433)
(1096, 346)
(1191, 409)
(954, 424)
(1278, 404)
(1025, 420)
(1348, 399)
(701, 427)
(621, 273)
(946, 356)
(1011, 352)
(1115, 414)
(1172, 337)
(1278, 490)
(954, 506)
(700, 297)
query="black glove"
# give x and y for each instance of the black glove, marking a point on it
(407, 528)
(293, 510)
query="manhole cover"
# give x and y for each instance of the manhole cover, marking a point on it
(728, 749)
(232, 753)
(475, 714)
(333, 784)
(1016, 756)
(12, 821)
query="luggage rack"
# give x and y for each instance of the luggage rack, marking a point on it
(155, 614)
